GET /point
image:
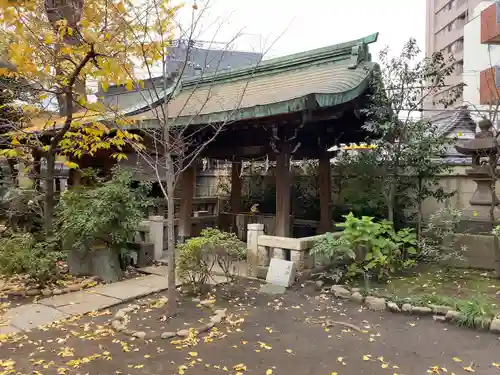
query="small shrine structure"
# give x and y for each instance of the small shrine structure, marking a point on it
(288, 108)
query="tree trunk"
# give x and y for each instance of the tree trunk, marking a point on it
(419, 204)
(48, 206)
(171, 293)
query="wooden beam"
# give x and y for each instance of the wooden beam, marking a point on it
(283, 183)
(325, 188)
(236, 187)
(188, 184)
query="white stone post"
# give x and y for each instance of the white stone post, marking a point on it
(156, 235)
(253, 233)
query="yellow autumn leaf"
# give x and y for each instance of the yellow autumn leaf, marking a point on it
(366, 357)
(469, 368)
(340, 359)
(456, 359)
(334, 373)
(129, 85)
(193, 354)
(71, 165)
(269, 371)
(384, 365)
(289, 351)
(240, 367)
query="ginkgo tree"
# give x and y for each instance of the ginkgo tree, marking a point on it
(55, 47)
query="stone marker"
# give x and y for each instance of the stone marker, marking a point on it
(281, 272)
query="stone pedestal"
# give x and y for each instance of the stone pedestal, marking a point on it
(253, 233)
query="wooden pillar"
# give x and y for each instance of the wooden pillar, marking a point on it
(235, 187)
(325, 188)
(188, 184)
(283, 183)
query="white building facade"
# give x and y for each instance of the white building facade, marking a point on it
(482, 60)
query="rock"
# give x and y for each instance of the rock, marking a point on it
(196, 300)
(182, 333)
(33, 292)
(117, 325)
(17, 293)
(46, 292)
(206, 327)
(319, 284)
(452, 315)
(355, 290)
(139, 334)
(375, 303)
(495, 325)
(207, 302)
(57, 291)
(65, 290)
(357, 297)
(129, 309)
(167, 335)
(482, 322)
(421, 310)
(216, 319)
(439, 318)
(221, 312)
(406, 308)
(393, 307)
(120, 314)
(439, 309)
(74, 287)
(340, 292)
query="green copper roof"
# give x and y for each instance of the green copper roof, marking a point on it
(330, 76)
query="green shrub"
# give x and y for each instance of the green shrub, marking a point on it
(197, 256)
(226, 248)
(22, 254)
(108, 212)
(379, 250)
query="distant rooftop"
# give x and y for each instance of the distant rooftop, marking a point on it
(200, 61)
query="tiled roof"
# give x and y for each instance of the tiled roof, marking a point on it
(319, 78)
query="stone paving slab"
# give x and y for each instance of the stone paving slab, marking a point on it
(76, 298)
(54, 308)
(92, 303)
(8, 330)
(30, 316)
(134, 288)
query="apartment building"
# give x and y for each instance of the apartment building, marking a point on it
(445, 21)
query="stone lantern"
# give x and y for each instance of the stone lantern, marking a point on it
(483, 150)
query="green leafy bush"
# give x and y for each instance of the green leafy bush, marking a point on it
(379, 250)
(197, 256)
(438, 242)
(22, 254)
(108, 212)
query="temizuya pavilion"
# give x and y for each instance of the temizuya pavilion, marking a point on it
(296, 106)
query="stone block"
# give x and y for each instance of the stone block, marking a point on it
(30, 316)
(375, 303)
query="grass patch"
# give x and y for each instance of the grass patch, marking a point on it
(475, 294)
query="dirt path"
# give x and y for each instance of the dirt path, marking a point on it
(265, 334)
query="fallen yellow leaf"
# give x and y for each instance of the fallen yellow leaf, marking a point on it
(340, 359)
(366, 357)
(193, 354)
(456, 359)
(289, 351)
(384, 365)
(269, 371)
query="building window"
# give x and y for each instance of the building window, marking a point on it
(459, 67)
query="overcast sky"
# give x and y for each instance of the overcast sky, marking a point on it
(309, 24)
